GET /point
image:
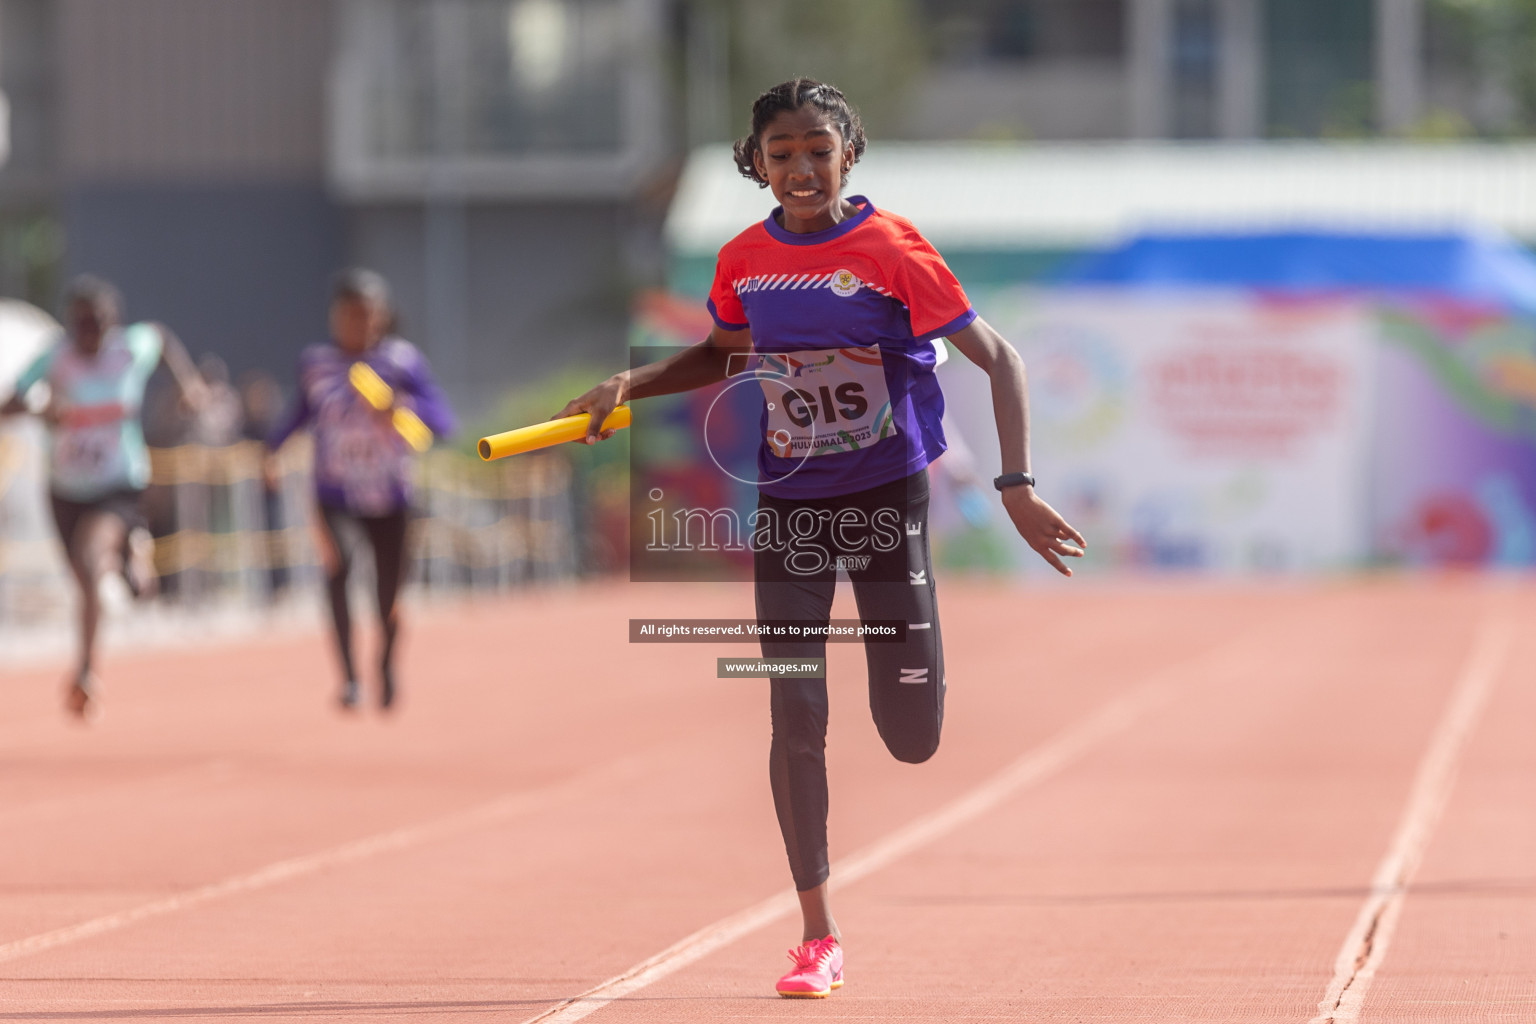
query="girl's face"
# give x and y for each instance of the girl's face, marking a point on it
(357, 324)
(89, 322)
(801, 155)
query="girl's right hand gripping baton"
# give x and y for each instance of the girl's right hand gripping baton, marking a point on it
(542, 435)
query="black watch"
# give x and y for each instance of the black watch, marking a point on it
(1012, 480)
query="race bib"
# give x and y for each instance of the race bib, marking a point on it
(88, 456)
(364, 462)
(822, 401)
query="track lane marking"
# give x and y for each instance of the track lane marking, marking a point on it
(503, 807)
(1033, 767)
(1365, 947)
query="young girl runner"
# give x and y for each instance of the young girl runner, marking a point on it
(362, 464)
(845, 302)
(98, 464)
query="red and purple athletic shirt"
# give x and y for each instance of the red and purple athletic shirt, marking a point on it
(844, 323)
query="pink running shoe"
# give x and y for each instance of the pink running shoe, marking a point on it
(818, 970)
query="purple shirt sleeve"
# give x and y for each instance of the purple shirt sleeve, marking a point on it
(427, 398)
(297, 417)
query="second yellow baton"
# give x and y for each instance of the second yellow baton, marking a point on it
(381, 396)
(542, 435)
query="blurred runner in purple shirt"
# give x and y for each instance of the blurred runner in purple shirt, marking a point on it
(362, 464)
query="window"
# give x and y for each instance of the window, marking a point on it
(1015, 30)
(1194, 69)
(503, 95)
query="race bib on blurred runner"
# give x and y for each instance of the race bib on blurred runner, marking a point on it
(89, 456)
(363, 458)
(822, 401)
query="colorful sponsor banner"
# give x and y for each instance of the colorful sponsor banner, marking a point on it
(1453, 477)
(1210, 431)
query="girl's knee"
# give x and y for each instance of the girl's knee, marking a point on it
(798, 710)
(911, 739)
(913, 749)
(82, 565)
(792, 715)
(94, 560)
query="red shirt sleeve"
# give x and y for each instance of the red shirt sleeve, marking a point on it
(923, 282)
(724, 305)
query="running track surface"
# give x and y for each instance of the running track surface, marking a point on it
(1152, 804)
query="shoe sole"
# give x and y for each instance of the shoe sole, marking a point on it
(810, 995)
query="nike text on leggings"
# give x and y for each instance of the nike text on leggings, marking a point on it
(892, 578)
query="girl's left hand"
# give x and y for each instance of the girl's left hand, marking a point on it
(196, 396)
(271, 471)
(1042, 527)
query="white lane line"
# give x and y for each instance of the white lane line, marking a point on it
(1034, 767)
(1365, 947)
(507, 806)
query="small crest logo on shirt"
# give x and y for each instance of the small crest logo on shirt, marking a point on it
(844, 283)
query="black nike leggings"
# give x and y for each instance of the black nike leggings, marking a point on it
(881, 537)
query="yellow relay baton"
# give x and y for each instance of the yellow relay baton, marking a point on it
(542, 435)
(381, 396)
